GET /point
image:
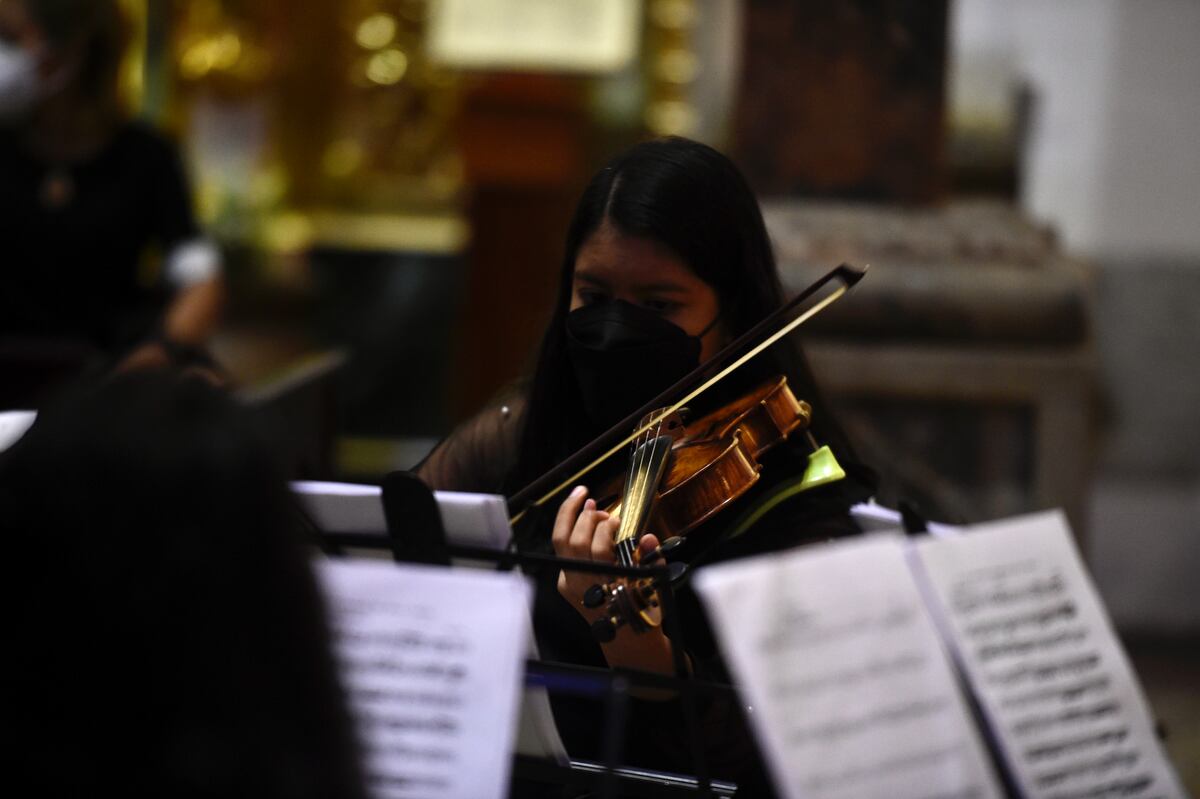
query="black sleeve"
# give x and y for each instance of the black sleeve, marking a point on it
(169, 200)
(480, 452)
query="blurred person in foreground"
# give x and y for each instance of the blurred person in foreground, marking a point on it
(98, 243)
(166, 633)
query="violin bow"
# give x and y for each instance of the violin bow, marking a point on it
(733, 356)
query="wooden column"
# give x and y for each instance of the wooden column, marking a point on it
(522, 138)
(843, 98)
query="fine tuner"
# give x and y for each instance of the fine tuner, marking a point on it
(631, 603)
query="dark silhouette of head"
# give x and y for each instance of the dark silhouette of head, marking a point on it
(167, 633)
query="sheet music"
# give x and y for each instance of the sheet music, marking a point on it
(874, 518)
(432, 660)
(851, 692)
(343, 507)
(1035, 642)
(469, 519)
(13, 425)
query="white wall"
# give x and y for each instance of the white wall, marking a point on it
(1113, 164)
(1150, 203)
(1113, 159)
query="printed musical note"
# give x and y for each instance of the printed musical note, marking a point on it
(432, 662)
(1037, 648)
(853, 695)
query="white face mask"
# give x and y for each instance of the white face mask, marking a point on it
(18, 80)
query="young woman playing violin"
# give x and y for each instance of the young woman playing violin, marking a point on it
(667, 260)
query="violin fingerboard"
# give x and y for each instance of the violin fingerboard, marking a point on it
(646, 469)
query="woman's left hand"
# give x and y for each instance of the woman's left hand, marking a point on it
(584, 532)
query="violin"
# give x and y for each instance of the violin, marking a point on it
(683, 472)
(680, 475)
(710, 463)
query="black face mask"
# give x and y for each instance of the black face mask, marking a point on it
(623, 355)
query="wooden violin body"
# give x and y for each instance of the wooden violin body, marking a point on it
(682, 475)
(714, 459)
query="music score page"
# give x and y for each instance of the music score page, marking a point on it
(851, 692)
(1041, 654)
(433, 663)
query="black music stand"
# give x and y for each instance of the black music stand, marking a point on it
(416, 535)
(414, 523)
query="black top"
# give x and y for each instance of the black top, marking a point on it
(79, 242)
(477, 456)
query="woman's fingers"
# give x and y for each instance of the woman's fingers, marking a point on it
(602, 541)
(583, 532)
(575, 528)
(580, 542)
(564, 521)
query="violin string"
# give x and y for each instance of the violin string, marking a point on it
(651, 489)
(644, 456)
(663, 413)
(641, 479)
(658, 434)
(630, 487)
(627, 493)
(626, 496)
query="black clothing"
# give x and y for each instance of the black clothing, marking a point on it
(477, 457)
(76, 240)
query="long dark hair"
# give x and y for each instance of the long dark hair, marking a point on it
(691, 199)
(167, 634)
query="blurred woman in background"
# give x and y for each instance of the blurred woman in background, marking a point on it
(98, 242)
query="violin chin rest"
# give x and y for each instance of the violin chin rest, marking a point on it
(822, 468)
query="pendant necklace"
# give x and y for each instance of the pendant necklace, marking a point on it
(57, 189)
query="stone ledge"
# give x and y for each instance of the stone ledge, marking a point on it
(966, 273)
